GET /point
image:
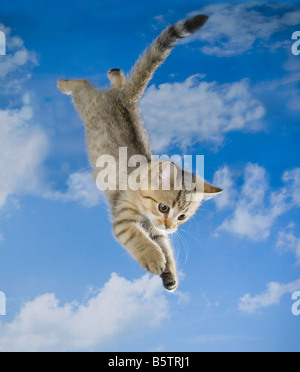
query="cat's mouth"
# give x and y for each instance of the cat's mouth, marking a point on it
(165, 230)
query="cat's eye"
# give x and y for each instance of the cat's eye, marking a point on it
(181, 217)
(163, 208)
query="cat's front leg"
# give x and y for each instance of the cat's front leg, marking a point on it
(136, 240)
(169, 276)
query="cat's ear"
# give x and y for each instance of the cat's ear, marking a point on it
(210, 191)
(205, 191)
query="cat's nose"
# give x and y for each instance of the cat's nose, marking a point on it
(169, 225)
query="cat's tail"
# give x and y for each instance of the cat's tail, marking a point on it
(156, 54)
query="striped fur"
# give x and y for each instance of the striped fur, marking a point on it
(156, 54)
(112, 120)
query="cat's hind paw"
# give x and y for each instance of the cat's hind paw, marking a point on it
(116, 77)
(68, 86)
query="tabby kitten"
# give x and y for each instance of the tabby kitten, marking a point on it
(142, 219)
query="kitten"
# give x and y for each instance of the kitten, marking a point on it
(142, 219)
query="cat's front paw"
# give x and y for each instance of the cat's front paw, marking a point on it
(154, 262)
(170, 281)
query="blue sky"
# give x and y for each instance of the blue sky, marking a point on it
(230, 92)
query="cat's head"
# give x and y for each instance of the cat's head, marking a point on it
(173, 195)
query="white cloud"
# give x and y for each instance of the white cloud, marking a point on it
(288, 242)
(256, 207)
(17, 56)
(291, 18)
(233, 29)
(196, 111)
(81, 188)
(249, 217)
(223, 178)
(292, 178)
(272, 296)
(285, 87)
(23, 145)
(119, 308)
(158, 21)
(23, 148)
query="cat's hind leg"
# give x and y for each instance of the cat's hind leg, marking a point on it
(116, 77)
(68, 86)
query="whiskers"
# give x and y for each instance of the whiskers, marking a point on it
(194, 235)
(205, 210)
(181, 242)
(183, 234)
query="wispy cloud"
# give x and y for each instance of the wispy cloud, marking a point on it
(272, 296)
(17, 64)
(286, 86)
(256, 207)
(196, 111)
(288, 242)
(23, 151)
(292, 179)
(224, 179)
(23, 147)
(81, 188)
(24, 143)
(121, 306)
(233, 29)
